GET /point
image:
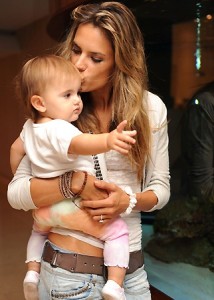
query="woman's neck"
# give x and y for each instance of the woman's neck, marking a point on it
(101, 100)
(102, 106)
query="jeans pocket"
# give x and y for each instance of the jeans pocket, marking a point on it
(74, 291)
(137, 285)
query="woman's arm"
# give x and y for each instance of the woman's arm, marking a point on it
(18, 192)
(46, 192)
(117, 202)
(157, 188)
(17, 152)
(26, 192)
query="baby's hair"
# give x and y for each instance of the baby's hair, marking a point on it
(36, 74)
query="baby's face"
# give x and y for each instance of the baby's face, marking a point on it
(62, 98)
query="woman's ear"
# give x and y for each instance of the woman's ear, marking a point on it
(38, 103)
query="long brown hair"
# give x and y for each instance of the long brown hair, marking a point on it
(130, 79)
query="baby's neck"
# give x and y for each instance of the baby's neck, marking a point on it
(41, 120)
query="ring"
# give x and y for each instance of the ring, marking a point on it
(101, 219)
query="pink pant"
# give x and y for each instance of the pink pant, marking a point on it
(68, 215)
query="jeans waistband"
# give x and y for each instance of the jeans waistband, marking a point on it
(79, 263)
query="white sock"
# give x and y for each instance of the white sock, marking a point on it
(113, 284)
(32, 276)
(113, 291)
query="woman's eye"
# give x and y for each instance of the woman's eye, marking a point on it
(96, 59)
(75, 50)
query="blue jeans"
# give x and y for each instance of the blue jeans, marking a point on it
(56, 283)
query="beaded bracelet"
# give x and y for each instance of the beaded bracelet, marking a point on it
(65, 182)
(132, 200)
(64, 185)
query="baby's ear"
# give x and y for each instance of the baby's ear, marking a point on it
(38, 103)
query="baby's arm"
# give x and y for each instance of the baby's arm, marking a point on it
(88, 144)
(17, 152)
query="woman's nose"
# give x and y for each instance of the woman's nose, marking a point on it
(81, 64)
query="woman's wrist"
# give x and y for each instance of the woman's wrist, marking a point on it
(79, 192)
(132, 200)
(146, 200)
(78, 180)
(71, 188)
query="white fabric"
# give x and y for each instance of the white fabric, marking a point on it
(47, 144)
(112, 290)
(119, 171)
(157, 170)
(35, 246)
(124, 177)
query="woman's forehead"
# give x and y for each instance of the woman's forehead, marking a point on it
(93, 39)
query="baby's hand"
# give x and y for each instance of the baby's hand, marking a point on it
(121, 140)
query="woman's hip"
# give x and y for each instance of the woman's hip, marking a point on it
(69, 275)
(57, 283)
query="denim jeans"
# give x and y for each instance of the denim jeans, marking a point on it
(56, 283)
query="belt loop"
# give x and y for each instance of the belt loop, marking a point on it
(54, 259)
(105, 272)
(75, 258)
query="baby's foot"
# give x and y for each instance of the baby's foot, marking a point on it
(112, 291)
(30, 285)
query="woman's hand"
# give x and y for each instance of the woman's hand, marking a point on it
(109, 207)
(90, 191)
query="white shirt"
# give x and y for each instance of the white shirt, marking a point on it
(46, 145)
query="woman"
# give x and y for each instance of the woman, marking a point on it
(106, 46)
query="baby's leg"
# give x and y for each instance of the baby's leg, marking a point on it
(116, 249)
(50, 216)
(36, 242)
(116, 258)
(67, 214)
(34, 253)
(115, 235)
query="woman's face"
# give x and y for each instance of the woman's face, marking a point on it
(93, 56)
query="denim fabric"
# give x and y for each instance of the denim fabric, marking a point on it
(136, 285)
(56, 283)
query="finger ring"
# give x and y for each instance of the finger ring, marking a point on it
(101, 219)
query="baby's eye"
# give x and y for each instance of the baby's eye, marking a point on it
(67, 95)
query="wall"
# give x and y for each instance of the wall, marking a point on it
(184, 78)
(33, 40)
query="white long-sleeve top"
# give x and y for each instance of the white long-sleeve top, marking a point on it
(156, 173)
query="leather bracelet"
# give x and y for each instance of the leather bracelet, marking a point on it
(65, 185)
(83, 185)
(132, 200)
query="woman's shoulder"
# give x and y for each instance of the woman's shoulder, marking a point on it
(154, 101)
(156, 108)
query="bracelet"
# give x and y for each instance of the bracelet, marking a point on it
(64, 185)
(65, 182)
(132, 200)
(83, 185)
